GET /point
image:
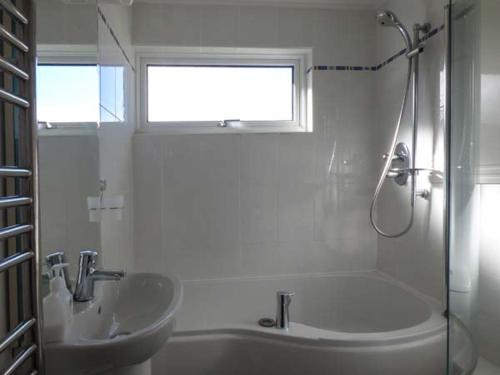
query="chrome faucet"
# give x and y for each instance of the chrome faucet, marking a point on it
(283, 309)
(88, 274)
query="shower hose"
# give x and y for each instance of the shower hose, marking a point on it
(388, 163)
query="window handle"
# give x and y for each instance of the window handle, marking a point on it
(227, 123)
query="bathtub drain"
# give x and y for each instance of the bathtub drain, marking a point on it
(267, 322)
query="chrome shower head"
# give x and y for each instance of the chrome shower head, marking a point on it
(386, 18)
(389, 19)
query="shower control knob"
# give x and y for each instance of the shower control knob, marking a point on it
(395, 157)
(425, 194)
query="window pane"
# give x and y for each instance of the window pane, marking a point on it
(67, 93)
(214, 93)
(112, 99)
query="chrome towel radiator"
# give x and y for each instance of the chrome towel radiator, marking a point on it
(20, 351)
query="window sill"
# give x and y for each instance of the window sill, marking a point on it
(62, 129)
(192, 130)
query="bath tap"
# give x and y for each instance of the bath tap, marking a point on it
(283, 310)
(87, 274)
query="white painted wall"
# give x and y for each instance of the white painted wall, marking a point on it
(212, 206)
(417, 258)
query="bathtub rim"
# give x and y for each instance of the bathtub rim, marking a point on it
(434, 326)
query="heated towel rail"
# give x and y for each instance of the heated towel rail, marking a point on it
(20, 351)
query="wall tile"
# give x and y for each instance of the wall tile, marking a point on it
(257, 26)
(295, 27)
(148, 177)
(219, 201)
(259, 212)
(148, 24)
(271, 258)
(219, 26)
(181, 191)
(259, 158)
(295, 213)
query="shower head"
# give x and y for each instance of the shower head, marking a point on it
(389, 19)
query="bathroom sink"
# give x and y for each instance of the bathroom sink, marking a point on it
(124, 326)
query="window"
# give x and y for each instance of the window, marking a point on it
(67, 93)
(220, 92)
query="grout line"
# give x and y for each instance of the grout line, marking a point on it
(373, 68)
(289, 276)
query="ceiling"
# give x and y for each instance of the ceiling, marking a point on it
(344, 4)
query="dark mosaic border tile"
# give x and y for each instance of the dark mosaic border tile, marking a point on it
(374, 68)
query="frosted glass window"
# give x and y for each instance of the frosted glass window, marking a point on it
(215, 93)
(67, 93)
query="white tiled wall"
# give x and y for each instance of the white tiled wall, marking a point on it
(211, 206)
(489, 278)
(489, 259)
(69, 168)
(115, 142)
(108, 156)
(62, 23)
(418, 257)
(208, 206)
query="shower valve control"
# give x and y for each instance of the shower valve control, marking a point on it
(395, 157)
(425, 194)
(400, 164)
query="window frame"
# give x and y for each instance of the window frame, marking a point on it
(226, 57)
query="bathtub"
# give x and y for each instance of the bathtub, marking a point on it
(342, 324)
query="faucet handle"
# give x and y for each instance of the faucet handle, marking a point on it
(59, 257)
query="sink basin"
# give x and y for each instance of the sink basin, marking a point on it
(124, 326)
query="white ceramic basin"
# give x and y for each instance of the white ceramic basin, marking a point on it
(125, 325)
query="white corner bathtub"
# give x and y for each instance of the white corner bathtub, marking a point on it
(348, 324)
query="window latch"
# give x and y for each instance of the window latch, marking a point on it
(228, 123)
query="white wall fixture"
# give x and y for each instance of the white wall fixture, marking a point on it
(94, 207)
(114, 204)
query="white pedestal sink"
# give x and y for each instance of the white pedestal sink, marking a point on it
(118, 332)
